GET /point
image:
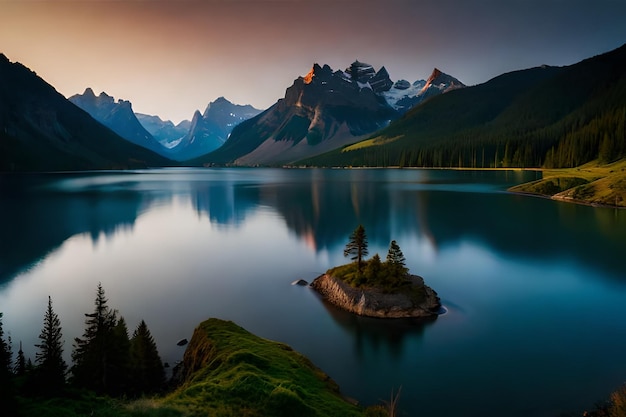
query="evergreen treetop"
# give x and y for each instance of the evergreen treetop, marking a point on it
(20, 363)
(5, 355)
(7, 400)
(356, 248)
(148, 374)
(92, 353)
(49, 357)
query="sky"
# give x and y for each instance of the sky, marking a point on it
(172, 57)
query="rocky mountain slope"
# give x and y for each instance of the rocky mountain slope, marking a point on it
(321, 111)
(404, 96)
(119, 117)
(210, 130)
(205, 133)
(164, 131)
(539, 117)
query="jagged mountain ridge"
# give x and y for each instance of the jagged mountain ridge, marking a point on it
(164, 131)
(119, 117)
(542, 116)
(205, 133)
(210, 130)
(41, 130)
(322, 110)
(404, 96)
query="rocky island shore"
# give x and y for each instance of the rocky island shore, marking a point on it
(416, 300)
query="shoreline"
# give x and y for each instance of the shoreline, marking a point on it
(375, 303)
(563, 199)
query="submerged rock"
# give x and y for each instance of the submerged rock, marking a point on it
(373, 302)
(300, 282)
(182, 342)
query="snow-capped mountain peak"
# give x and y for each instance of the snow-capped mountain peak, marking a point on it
(403, 95)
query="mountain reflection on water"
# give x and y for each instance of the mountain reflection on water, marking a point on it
(533, 287)
(39, 212)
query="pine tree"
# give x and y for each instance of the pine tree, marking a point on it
(49, 359)
(396, 263)
(10, 352)
(357, 247)
(148, 374)
(119, 359)
(92, 352)
(5, 356)
(373, 270)
(7, 399)
(20, 363)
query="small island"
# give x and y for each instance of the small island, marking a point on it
(374, 288)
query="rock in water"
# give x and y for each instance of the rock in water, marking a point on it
(300, 282)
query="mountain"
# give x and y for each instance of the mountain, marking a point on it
(119, 117)
(205, 133)
(320, 111)
(324, 110)
(543, 116)
(404, 96)
(210, 130)
(41, 130)
(164, 131)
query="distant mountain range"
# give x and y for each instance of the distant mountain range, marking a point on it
(205, 133)
(324, 110)
(544, 116)
(164, 131)
(210, 130)
(40, 130)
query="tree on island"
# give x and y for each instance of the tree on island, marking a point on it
(374, 271)
(50, 370)
(357, 247)
(389, 275)
(396, 263)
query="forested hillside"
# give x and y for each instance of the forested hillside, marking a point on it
(544, 116)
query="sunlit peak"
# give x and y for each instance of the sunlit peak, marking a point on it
(309, 77)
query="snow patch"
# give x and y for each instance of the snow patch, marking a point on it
(172, 144)
(394, 95)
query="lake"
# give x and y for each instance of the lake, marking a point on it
(535, 289)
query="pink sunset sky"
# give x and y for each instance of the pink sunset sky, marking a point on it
(172, 57)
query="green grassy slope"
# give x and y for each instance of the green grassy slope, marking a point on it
(226, 372)
(592, 183)
(229, 371)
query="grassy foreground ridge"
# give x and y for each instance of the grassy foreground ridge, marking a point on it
(230, 372)
(592, 183)
(226, 372)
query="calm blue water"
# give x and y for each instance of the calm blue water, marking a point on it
(536, 289)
